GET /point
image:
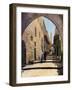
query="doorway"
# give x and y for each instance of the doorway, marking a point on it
(34, 53)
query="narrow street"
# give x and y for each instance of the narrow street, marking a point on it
(41, 46)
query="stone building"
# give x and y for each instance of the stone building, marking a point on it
(36, 40)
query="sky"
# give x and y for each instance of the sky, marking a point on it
(50, 27)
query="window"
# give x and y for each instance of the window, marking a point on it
(42, 44)
(35, 32)
(31, 38)
(34, 43)
(39, 34)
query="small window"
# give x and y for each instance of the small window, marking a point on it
(35, 32)
(35, 43)
(31, 38)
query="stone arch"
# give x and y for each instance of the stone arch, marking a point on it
(57, 19)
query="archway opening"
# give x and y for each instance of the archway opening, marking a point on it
(42, 39)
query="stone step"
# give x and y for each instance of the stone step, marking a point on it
(52, 57)
(47, 61)
(43, 66)
(55, 60)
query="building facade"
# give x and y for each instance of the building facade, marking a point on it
(36, 40)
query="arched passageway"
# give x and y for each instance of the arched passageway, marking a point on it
(57, 19)
(37, 44)
(38, 47)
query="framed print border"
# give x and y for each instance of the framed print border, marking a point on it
(13, 44)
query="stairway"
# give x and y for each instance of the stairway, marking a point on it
(49, 58)
(51, 65)
(52, 58)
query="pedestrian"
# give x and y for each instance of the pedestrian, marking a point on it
(41, 56)
(45, 54)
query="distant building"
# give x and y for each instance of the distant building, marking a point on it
(51, 37)
(36, 40)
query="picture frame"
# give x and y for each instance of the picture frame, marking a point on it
(26, 69)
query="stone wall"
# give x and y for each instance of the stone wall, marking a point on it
(33, 37)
